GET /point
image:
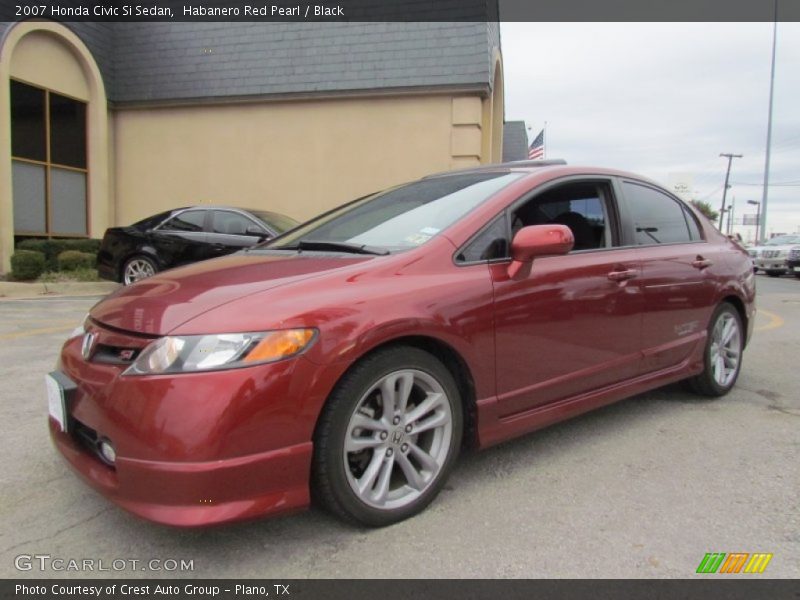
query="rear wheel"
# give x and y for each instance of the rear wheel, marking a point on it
(723, 353)
(137, 268)
(388, 437)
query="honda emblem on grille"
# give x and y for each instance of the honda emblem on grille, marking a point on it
(87, 345)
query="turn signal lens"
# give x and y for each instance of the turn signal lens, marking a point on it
(280, 344)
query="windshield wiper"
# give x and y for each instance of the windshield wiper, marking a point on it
(336, 247)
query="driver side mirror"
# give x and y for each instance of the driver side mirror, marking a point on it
(258, 232)
(537, 240)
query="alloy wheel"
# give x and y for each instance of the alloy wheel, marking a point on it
(398, 439)
(725, 349)
(136, 269)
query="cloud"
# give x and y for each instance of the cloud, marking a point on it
(662, 98)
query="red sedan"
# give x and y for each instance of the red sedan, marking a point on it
(351, 358)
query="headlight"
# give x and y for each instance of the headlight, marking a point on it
(80, 329)
(192, 353)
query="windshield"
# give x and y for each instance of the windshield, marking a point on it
(276, 221)
(784, 239)
(402, 217)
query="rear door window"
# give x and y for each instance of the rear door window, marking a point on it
(657, 218)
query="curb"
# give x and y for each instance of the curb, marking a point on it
(12, 290)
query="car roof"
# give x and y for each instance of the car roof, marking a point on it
(551, 167)
(516, 165)
(213, 207)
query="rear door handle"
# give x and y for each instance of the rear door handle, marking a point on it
(622, 275)
(701, 263)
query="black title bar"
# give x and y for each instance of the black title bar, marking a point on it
(401, 10)
(717, 587)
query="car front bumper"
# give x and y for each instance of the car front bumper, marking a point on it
(192, 449)
(200, 493)
(772, 264)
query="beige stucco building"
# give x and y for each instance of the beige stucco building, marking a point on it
(102, 124)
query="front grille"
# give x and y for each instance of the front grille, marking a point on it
(115, 355)
(794, 254)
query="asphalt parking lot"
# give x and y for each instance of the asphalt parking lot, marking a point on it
(643, 488)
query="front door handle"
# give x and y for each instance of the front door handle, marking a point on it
(701, 263)
(622, 275)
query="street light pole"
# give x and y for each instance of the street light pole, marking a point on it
(765, 193)
(730, 157)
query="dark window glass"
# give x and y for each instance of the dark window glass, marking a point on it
(694, 228)
(151, 222)
(27, 122)
(67, 131)
(491, 243)
(580, 206)
(231, 223)
(658, 219)
(191, 220)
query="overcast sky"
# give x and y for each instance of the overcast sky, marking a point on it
(662, 99)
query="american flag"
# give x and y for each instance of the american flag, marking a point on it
(536, 149)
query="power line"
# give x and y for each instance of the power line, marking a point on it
(782, 184)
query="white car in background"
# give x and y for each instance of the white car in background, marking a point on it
(772, 256)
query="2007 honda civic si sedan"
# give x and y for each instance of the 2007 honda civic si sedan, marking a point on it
(350, 359)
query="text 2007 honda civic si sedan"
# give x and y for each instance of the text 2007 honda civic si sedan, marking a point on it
(350, 359)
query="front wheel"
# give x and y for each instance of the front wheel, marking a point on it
(723, 353)
(388, 437)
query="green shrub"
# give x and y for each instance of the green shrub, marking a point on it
(52, 248)
(27, 264)
(70, 260)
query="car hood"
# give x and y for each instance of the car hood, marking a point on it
(158, 305)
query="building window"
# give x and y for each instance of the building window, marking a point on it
(48, 151)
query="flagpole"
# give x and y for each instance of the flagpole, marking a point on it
(544, 141)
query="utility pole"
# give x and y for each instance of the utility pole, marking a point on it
(732, 211)
(765, 193)
(730, 157)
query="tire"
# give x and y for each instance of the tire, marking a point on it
(797, 274)
(137, 268)
(376, 469)
(774, 273)
(718, 378)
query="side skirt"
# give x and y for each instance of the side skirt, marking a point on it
(493, 429)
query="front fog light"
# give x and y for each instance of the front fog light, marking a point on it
(107, 452)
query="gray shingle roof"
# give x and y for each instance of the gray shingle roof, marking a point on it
(172, 61)
(515, 141)
(168, 61)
